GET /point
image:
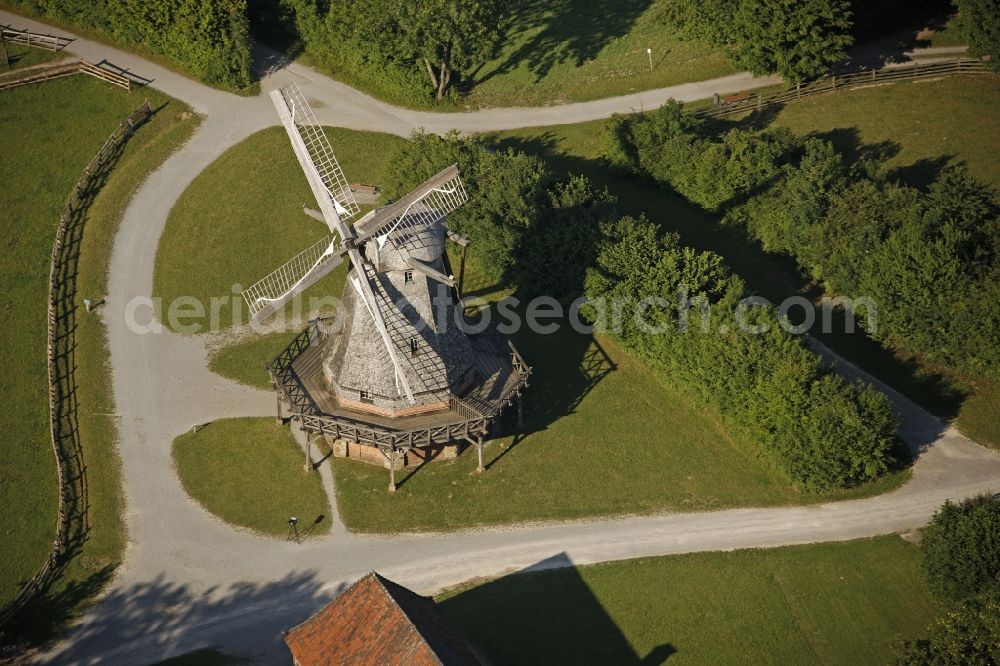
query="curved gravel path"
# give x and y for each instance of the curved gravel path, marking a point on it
(189, 581)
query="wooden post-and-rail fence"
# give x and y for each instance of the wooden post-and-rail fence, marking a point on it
(71, 520)
(61, 69)
(832, 83)
(34, 39)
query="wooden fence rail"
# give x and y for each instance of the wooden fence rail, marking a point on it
(59, 350)
(828, 84)
(61, 69)
(33, 39)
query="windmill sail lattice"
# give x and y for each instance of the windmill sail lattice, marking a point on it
(320, 152)
(296, 275)
(402, 222)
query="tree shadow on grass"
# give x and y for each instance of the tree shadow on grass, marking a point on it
(570, 32)
(548, 618)
(158, 619)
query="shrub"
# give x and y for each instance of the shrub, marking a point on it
(961, 548)
(979, 23)
(822, 431)
(798, 39)
(529, 230)
(968, 634)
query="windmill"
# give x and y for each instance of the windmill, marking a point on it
(400, 374)
(401, 224)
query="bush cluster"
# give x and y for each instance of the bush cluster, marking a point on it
(208, 38)
(930, 260)
(823, 431)
(406, 51)
(960, 561)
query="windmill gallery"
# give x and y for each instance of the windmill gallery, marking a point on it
(393, 381)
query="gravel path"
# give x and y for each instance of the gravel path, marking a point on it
(189, 581)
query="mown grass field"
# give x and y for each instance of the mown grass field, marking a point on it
(837, 603)
(249, 472)
(212, 250)
(573, 51)
(922, 126)
(55, 129)
(20, 56)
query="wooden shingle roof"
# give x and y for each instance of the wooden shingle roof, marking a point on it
(377, 621)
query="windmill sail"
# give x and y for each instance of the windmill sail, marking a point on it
(290, 102)
(402, 222)
(298, 274)
(336, 203)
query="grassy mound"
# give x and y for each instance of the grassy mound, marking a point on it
(828, 603)
(249, 473)
(54, 130)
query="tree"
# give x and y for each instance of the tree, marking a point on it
(799, 39)
(961, 548)
(979, 23)
(443, 36)
(968, 634)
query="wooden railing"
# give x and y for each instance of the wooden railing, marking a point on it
(62, 69)
(828, 84)
(71, 520)
(33, 39)
(473, 421)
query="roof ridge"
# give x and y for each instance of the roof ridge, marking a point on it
(382, 580)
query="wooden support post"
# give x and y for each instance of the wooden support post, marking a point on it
(520, 413)
(277, 395)
(392, 470)
(479, 448)
(3, 49)
(461, 273)
(798, 89)
(309, 443)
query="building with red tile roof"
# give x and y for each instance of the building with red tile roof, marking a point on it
(377, 621)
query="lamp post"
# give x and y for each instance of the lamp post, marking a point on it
(649, 52)
(292, 523)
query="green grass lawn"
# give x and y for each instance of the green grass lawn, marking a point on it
(24, 56)
(960, 128)
(837, 603)
(212, 250)
(249, 472)
(604, 435)
(244, 361)
(54, 130)
(577, 50)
